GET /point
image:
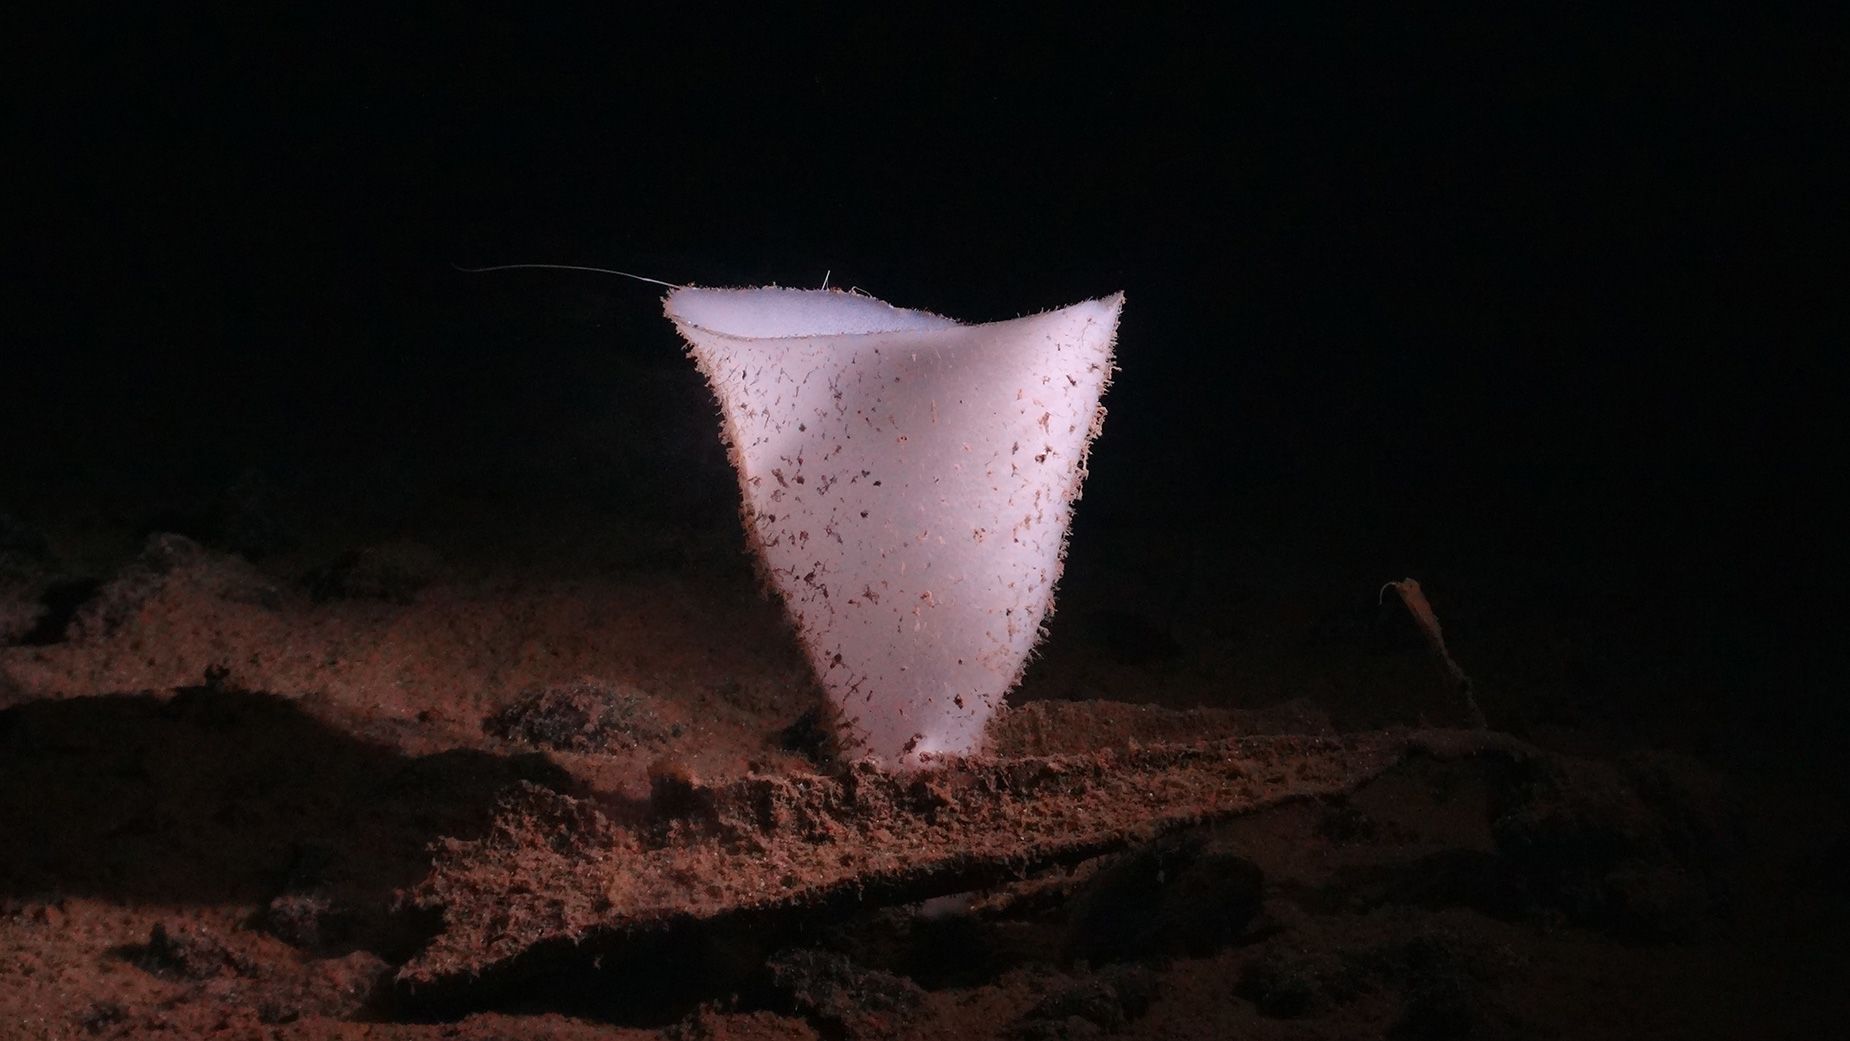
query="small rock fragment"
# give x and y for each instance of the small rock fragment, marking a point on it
(185, 952)
(169, 564)
(307, 920)
(859, 1002)
(1180, 896)
(583, 717)
(1634, 850)
(395, 572)
(333, 988)
(1090, 1007)
(1287, 982)
(99, 1016)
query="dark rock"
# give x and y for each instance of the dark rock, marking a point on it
(1636, 849)
(58, 605)
(169, 562)
(1179, 896)
(333, 988)
(1695, 812)
(395, 572)
(1448, 981)
(1288, 981)
(583, 717)
(184, 952)
(307, 920)
(955, 949)
(1091, 1007)
(859, 1002)
(20, 612)
(1446, 878)
(26, 571)
(716, 1021)
(166, 552)
(1135, 986)
(1344, 822)
(100, 1016)
(813, 736)
(1659, 901)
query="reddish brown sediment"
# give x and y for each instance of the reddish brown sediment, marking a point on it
(556, 868)
(213, 862)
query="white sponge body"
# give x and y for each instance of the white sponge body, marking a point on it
(908, 482)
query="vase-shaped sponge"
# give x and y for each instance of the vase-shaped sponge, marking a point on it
(907, 482)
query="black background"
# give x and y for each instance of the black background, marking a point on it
(1558, 282)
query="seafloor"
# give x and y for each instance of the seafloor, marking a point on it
(350, 756)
